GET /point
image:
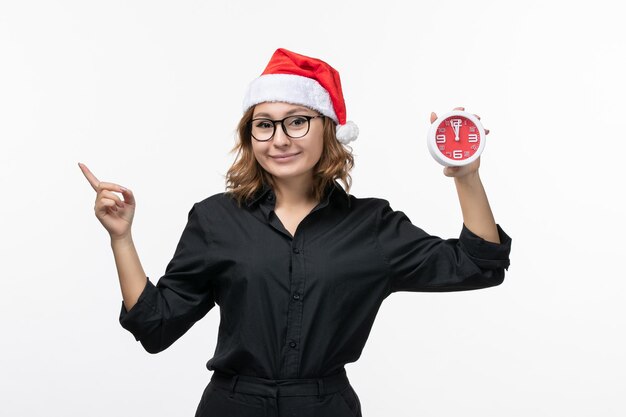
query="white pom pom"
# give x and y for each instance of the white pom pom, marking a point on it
(347, 133)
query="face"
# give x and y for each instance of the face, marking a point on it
(281, 156)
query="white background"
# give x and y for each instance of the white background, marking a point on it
(147, 94)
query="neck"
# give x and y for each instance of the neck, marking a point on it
(293, 192)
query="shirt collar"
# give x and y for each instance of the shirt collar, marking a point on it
(261, 192)
(266, 193)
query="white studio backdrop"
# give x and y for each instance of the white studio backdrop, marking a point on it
(148, 93)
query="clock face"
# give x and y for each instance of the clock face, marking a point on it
(457, 138)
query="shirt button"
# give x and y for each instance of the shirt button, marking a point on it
(296, 296)
(292, 344)
(296, 250)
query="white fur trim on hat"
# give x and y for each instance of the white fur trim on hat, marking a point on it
(347, 133)
(289, 88)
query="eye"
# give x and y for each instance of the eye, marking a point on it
(263, 124)
(297, 121)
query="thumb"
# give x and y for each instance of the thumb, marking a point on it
(129, 198)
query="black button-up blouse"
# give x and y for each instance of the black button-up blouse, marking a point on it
(300, 306)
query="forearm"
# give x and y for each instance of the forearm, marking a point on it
(477, 215)
(130, 272)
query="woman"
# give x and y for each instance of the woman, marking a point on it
(298, 266)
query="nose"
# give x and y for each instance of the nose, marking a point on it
(280, 138)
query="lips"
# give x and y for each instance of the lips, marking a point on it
(283, 156)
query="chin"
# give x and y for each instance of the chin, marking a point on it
(286, 172)
(285, 175)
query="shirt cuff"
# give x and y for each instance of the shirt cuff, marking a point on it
(143, 317)
(485, 254)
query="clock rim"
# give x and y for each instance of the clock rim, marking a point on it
(444, 160)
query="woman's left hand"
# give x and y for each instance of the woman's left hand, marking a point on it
(465, 170)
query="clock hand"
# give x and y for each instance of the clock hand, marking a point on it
(456, 127)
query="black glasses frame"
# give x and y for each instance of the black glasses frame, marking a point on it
(282, 125)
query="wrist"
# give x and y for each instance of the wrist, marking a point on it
(471, 178)
(125, 240)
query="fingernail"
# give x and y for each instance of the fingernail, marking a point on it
(123, 189)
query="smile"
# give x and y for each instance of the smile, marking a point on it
(285, 158)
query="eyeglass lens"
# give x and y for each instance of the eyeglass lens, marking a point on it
(293, 126)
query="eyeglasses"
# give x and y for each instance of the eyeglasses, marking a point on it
(294, 127)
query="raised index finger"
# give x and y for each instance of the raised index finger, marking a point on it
(90, 177)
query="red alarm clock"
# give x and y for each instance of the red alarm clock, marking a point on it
(456, 138)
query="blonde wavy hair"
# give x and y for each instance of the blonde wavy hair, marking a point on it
(246, 176)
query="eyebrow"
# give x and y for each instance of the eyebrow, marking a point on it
(292, 111)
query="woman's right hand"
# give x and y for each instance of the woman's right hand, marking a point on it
(115, 215)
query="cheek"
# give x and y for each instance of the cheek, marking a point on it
(258, 156)
(318, 148)
(257, 151)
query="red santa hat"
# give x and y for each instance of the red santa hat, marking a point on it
(299, 79)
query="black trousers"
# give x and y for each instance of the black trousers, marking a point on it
(229, 395)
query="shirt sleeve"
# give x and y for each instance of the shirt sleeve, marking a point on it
(163, 313)
(421, 262)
